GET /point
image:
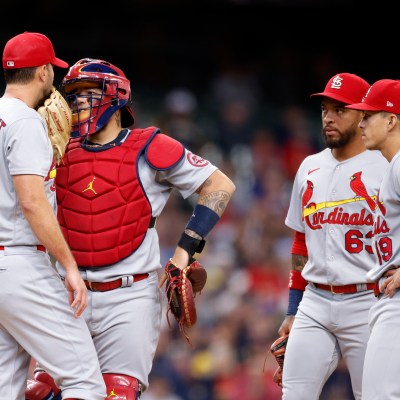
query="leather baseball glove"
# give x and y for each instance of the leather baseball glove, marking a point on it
(182, 285)
(278, 349)
(58, 117)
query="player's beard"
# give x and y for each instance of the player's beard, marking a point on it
(341, 141)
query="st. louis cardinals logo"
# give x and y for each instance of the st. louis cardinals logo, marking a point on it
(51, 176)
(336, 82)
(196, 160)
(307, 196)
(315, 219)
(358, 187)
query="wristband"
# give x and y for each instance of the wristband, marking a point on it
(190, 244)
(295, 297)
(296, 280)
(202, 220)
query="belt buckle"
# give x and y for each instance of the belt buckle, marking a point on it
(127, 281)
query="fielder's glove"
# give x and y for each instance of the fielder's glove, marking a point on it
(58, 117)
(278, 349)
(182, 285)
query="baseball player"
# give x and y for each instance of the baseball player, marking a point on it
(331, 211)
(380, 127)
(39, 313)
(111, 185)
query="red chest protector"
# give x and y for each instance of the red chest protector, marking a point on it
(102, 208)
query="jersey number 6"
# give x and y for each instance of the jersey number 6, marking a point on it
(354, 243)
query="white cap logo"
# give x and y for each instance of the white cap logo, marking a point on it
(10, 63)
(336, 82)
(389, 104)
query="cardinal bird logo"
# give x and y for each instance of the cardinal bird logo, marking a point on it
(380, 204)
(358, 187)
(307, 195)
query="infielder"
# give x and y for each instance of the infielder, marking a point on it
(380, 127)
(39, 314)
(112, 184)
(331, 211)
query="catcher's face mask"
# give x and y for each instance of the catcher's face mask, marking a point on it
(95, 89)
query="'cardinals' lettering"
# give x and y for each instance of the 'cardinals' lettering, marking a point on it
(338, 217)
(380, 226)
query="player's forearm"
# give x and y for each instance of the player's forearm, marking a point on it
(214, 195)
(216, 192)
(42, 219)
(298, 262)
(297, 283)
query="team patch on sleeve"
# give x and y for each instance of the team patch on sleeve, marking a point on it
(196, 161)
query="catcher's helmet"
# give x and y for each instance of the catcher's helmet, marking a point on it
(116, 94)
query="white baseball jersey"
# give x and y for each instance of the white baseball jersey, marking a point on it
(383, 345)
(35, 316)
(25, 149)
(332, 203)
(386, 238)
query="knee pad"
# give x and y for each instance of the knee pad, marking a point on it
(123, 386)
(44, 377)
(42, 387)
(36, 390)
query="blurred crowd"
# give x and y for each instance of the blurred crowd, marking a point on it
(247, 255)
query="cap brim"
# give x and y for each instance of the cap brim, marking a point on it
(333, 96)
(362, 107)
(60, 63)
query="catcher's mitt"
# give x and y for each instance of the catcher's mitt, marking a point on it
(58, 117)
(181, 287)
(278, 349)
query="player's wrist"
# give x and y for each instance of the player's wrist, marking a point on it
(191, 244)
(295, 297)
(297, 285)
(296, 280)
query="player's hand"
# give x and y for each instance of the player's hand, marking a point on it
(391, 283)
(77, 291)
(181, 260)
(286, 325)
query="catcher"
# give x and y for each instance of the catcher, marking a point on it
(112, 183)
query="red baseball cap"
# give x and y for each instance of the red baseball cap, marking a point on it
(346, 88)
(30, 49)
(383, 95)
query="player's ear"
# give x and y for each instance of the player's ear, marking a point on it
(392, 121)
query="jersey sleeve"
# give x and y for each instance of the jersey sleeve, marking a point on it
(294, 215)
(28, 148)
(188, 175)
(396, 175)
